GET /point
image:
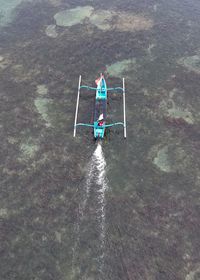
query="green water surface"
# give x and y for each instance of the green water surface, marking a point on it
(152, 201)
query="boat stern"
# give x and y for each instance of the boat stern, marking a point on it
(99, 131)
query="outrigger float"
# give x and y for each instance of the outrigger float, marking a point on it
(99, 125)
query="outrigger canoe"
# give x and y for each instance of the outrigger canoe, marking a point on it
(99, 125)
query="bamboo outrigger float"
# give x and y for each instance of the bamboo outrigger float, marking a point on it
(99, 125)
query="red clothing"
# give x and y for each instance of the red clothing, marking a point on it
(100, 123)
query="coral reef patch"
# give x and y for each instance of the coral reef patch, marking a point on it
(192, 63)
(51, 31)
(104, 19)
(73, 16)
(118, 68)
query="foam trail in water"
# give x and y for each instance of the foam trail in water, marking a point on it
(102, 182)
(96, 174)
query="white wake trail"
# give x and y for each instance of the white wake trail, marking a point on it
(95, 188)
(102, 182)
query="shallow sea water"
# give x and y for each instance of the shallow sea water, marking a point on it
(73, 209)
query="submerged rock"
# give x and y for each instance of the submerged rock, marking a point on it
(73, 16)
(193, 275)
(180, 113)
(174, 111)
(3, 213)
(29, 148)
(129, 22)
(104, 19)
(51, 31)
(58, 236)
(4, 62)
(192, 63)
(170, 158)
(162, 160)
(41, 104)
(7, 9)
(42, 89)
(118, 68)
(122, 21)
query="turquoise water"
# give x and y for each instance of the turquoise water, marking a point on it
(69, 208)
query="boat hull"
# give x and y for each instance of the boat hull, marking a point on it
(100, 108)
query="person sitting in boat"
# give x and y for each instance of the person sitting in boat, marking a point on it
(100, 120)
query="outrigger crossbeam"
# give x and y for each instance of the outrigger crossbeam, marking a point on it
(99, 124)
(104, 126)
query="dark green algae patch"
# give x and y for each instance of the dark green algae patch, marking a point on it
(152, 203)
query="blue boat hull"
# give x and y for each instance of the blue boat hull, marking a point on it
(100, 108)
